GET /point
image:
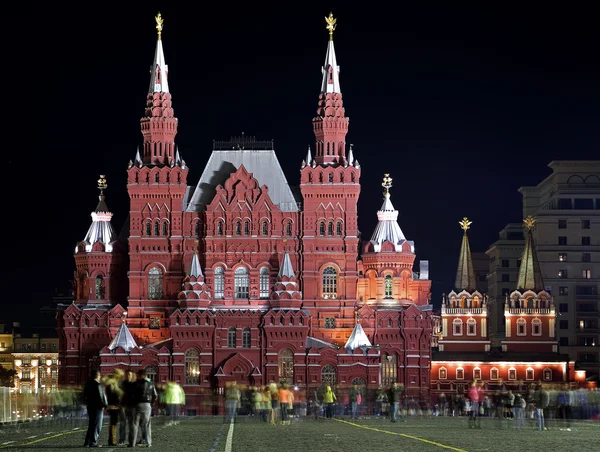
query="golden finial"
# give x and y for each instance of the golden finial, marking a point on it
(159, 24)
(387, 183)
(331, 24)
(464, 224)
(529, 222)
(102, 183)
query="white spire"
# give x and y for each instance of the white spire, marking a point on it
(138, 159)
(308, 156)
(388, 229)
(159, 71)
(101, 230)
(177, 156)
(195, 269)
(123, 339)
(331, 71)
(286, 268)
(350, 157)
(357, 339)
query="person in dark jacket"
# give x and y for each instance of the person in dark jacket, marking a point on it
(143, 397)
(95, 399)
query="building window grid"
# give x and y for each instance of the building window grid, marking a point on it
(457, 327)
(286, 366)
(493, 373)
(442, 373)
(219, 284)
(460, 373)
(388, 286)
(328, 375)
(264, 282)
(529, 374)
(521, 327)
(241, 283)
(329, 283)
(536, 327)
(389, 370)
(477, 373)
(512, 374)
(155, 284)
(471, 327)
(562, 257)
(231, 338)
(246, 338)
(192, 367)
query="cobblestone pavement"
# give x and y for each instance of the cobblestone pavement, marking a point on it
(211, 434)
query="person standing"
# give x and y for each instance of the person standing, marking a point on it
(232, 400)
(144, 396)
(114, 396)
(474, 394)
(95, 400)
(354, 396)
(542, 400)
(284, 400)
(394, 401)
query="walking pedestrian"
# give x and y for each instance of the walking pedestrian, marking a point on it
(144, 396)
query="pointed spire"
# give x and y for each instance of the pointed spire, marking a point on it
(357, 339)
(530, 274)
(286, 268)
(101, 229)
(351, 156)
(387, 229)
(195, 269)
(465, 275)
(308, 158)
(138, 159)
(159, 68)
(331, 78)
(177, 156)
(123, 339)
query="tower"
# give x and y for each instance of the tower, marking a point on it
(99, 258)
(330, 188)
(529, 311)
(156, 184)
(464, 310)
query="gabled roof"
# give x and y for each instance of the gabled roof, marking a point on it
(286, 268)
(318, 343)
(264, 167)
(123, 339)
(357, 339)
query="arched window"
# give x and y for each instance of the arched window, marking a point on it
(521, 327)
(322, 228)
(192, 367)
(99, 288)
(328, 375)
(157, 177)
(338, 228)
(238, 228)
(529, 374)
(329, 283)
(457, 325)
(265, 228)
(388, 286)
(151, 373)
(330, 178)
(219, 285)
(219, 228)
(148, 229)
(231, 338)
(389, 370)
(442, 373)
(264, 282)
(494, 373)
(286, 366)
(156, 229)
(246, 338)
(471, 327)
(241, 283)
(288, 229)
(330, 228)
(536, 327)
(155, 284)
(475, 301)
(477, 373)
(197, 229)
(164, 228)
(460, 373)
(246, 227)
(512, 374)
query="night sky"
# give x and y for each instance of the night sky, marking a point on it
(461, 105)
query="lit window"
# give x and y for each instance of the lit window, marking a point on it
(536, 327)
(329, 283)
(286, 366)
(155, 284)
(460, 373)
(219, 284)
(457, 327)
(512, 373)
(151, 373)
(521, 324)
(192, 367)
(264, 282)
(389, 370)
(231, 338)
(547, 374)
(154, 323)
(471, 327)
(587, 274)
(442, 374)
(388, 286)
(246, 338)
(477, 373)
(329, 322)
(493, 373)
(562, 257)
(529, 374)
(241, 283)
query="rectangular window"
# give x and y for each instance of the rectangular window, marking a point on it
(585, 224)
(586, 274)
(512, 374)
(505, 263)
(154, 323)
(588, 357)
(329, 322)
(563, 307)
(460, 374)
(587, 341)
(563, 290)
(564, 324)
(562, 240)
(562, 224)
(494, 374)
(564, 341)
(476, 374)
(586, 307)
(519, 263)
(586, 241)
(471, 329)
(562, 274)
(565, 204)
(562, 257)
(584, 204)
(586, 290)
(586, 257)
(43, 347)
(505, 277)
(529, 375)
(26, 374)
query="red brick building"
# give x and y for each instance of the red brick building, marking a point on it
(243, 278)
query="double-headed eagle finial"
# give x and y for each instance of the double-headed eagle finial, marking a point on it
(159, 24)
(102, 183)
(331, 24)
(529, 222)
(465, 224)
(387, 183)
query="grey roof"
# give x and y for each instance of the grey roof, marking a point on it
(123, 339)
(357, 339)
(101, 229)
(195, 269)
(286, 268)
(263, 165)
(318, 343)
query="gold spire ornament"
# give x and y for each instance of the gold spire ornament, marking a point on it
(331, 24)
(529, 222)
(387, 183)
(159, 24)
(102, 183)
(465, 224)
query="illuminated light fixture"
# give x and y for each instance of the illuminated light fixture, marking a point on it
(18, 362)
(48, 362)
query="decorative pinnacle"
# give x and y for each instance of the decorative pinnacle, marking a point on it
(387, 183)
(331, 24)
(464, 224)
(159, 24)
(102, 183)
(529, 222)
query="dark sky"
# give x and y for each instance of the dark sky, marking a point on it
(461, 104)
